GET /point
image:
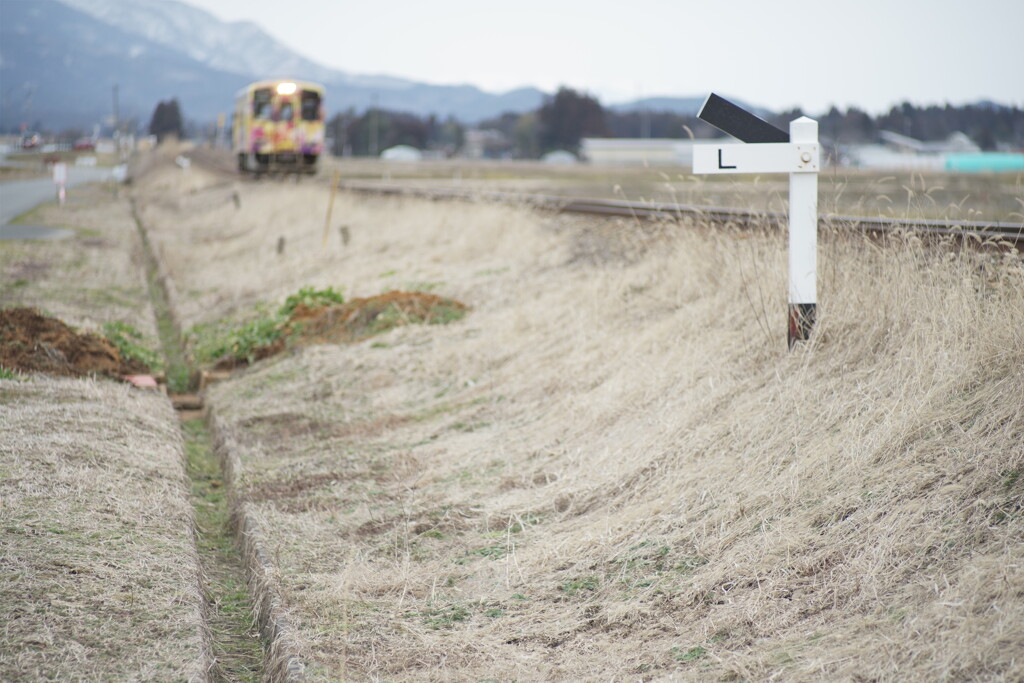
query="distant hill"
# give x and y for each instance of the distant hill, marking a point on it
(58, 67)
(684, 106)
(60, 60)
(235, 47)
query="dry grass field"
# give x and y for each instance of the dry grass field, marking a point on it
(611, 468)
(101, 580)
(100, 574)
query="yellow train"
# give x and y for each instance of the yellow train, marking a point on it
(278, 126)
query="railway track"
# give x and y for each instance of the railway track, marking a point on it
(1012, 233)
(1008, 233)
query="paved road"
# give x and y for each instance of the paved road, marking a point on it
(18, 196)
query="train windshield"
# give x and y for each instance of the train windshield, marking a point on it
(261, 103)
(310, 105)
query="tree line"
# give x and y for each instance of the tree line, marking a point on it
(568, 116)
(166, 120)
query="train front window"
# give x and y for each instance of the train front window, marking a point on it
(310, 105)
(261, 103)
(286, 112)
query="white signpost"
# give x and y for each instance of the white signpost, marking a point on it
(60, 179)
(766, 149)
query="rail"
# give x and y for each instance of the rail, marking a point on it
(986, 230)
(997, 231)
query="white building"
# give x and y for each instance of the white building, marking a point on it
(900, 152)
(401, 153)
(485, 144)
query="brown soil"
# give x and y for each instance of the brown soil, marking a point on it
(32, 342)
(361, 318)
(355, 320)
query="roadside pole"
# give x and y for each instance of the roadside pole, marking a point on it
(803, 234)
(60, 179)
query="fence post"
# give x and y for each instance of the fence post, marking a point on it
(330, 206)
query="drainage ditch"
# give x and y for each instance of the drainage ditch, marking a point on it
(237, 646)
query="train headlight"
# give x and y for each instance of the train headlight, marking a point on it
(285, 88)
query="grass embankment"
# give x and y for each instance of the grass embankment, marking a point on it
(788, 505)
(614, 467)
(101, 577)
(105, 580)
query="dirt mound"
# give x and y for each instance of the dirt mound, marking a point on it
(32, 342)
(361, 318)
(355, 320)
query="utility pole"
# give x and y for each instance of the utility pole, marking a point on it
(30, 89)
(374, 125)
(117, 113)
(645, 116)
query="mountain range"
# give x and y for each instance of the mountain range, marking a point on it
(69, 63)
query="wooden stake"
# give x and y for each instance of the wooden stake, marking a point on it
(330, 205)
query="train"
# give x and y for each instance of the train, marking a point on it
(278, 126)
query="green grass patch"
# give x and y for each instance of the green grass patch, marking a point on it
(445, 618)
(130, 343)
(494, 552)
(311, 298)
(317, 317)
(577, 586)
(432, 533)
(690, 655)
(486, 272)
(213, 342)
(7, 373)
(243, 342)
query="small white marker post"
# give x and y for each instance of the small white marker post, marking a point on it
(770, 150)
(60, 179)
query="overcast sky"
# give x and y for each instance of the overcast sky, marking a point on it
(774, 53)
